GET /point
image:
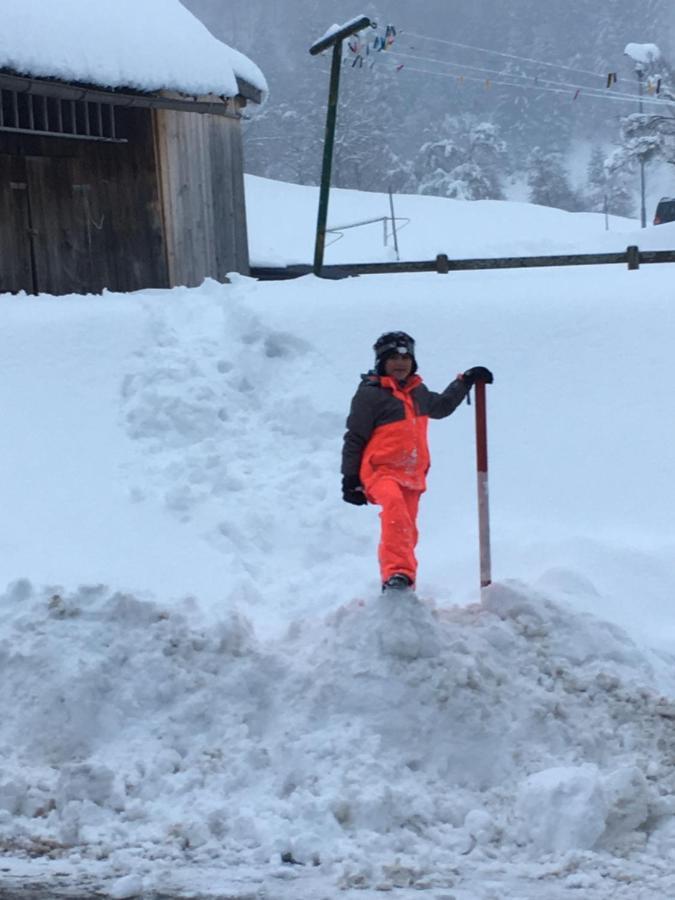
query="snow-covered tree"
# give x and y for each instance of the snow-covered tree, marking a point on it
(467, 165)
(650, 134)
(366, 147)
(284, 141)
(464, 182)
(608, 185)
(531, 111)
(548, 181)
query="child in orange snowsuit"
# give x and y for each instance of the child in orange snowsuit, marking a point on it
(385, 457)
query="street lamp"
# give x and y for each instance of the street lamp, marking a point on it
(642, 55)
(640, 72)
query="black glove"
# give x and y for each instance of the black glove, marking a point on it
(477, 373)
(352, 490)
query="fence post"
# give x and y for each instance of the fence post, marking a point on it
(442, 264)
(633, 257)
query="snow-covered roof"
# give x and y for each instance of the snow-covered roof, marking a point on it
(146, 45)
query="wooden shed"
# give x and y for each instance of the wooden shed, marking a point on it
(118, 188)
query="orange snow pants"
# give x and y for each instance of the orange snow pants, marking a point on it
(399, 527)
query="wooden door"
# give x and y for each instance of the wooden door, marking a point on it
(17, 270)
(62, 234)
(80, 216)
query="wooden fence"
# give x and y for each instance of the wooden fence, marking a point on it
(633, 257)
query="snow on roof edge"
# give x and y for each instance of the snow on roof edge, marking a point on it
(153, 46)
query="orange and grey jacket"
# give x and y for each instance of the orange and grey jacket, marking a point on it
(387, 429)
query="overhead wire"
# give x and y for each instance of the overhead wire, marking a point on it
(528, 77)
(521, 80)
(591, 93)
(539, 62)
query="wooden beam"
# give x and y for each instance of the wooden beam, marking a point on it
(215, 106)
(339, 35)
(248, 92)
(633, 257)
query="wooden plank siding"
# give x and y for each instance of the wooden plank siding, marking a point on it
(202, 195)
(16, 266)
(162, 206)
(239, 199)
(63, 262)
(90, 217)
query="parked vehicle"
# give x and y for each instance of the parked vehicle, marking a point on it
(665, 211)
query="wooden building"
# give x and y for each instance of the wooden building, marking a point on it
(118, 188)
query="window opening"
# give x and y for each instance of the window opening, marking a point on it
(39, 114)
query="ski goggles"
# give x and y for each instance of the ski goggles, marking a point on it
(401, 347)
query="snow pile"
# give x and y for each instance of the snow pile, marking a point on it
(387, 733)
(150, 46)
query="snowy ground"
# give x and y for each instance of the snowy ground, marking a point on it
(282, 225)
(200, 679)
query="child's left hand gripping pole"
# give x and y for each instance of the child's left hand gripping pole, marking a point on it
(483, 492)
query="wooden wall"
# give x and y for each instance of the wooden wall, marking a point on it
(164, 208)
(200, 161)
(78, 216)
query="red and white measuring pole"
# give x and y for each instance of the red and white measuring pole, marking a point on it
(483, 493)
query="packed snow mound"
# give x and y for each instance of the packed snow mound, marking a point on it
(514, 723)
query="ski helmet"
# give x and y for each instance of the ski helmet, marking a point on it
(390, 344)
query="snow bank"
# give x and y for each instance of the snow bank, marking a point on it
(150, 46)
(387, 731)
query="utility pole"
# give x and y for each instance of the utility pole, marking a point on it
(639, 71)
(333, 39)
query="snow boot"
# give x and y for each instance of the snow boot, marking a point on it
(397, 582)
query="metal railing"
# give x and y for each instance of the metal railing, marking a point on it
(339, 229)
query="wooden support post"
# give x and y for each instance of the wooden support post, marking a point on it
(633, 257)
(334, 39)
(327, 167)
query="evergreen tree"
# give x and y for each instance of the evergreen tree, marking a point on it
(284, 142)
(368, 150)
(650, 134)
(548, 181)
(607, 186)
(468, 165)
